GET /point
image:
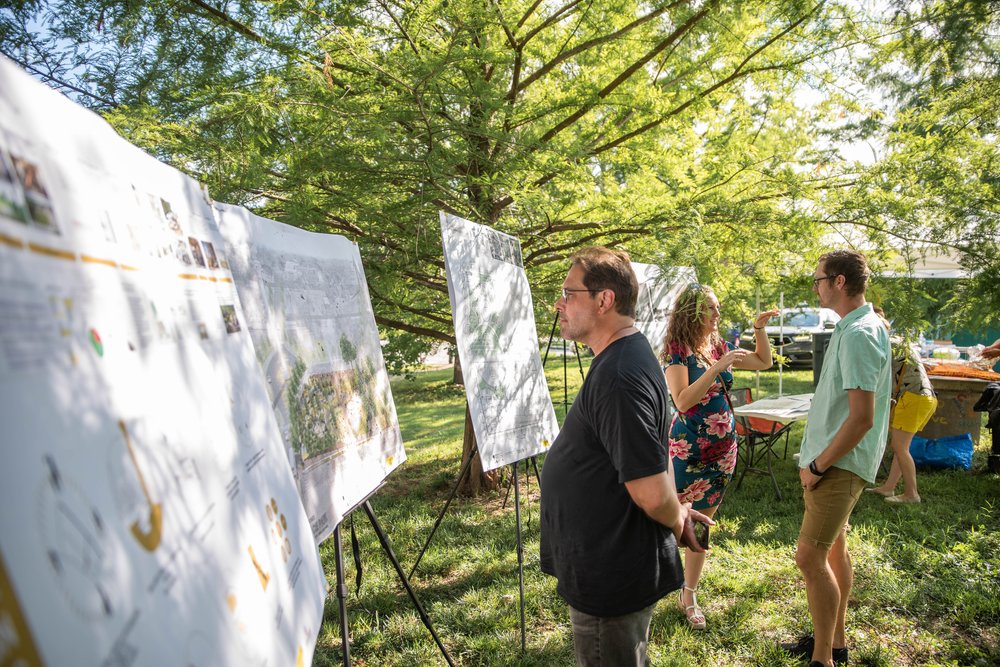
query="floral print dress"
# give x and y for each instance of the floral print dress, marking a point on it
(702, 440)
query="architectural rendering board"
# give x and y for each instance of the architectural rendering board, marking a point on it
(497, 342)
(308, 312)
(147, 513)
(658, 289)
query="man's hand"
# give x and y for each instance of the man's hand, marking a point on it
(809, 480)
(685, 534)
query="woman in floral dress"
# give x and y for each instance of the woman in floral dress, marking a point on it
(702, 437)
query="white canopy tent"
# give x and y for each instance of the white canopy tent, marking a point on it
(925, 262)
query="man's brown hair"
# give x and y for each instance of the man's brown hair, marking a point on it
(603, 269)
(848, 263)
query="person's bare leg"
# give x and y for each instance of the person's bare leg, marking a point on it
(903, 462)
(823, 593)
(843, 570)
(694, 564)
(888, 487)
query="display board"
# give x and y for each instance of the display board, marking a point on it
(148, 515)
(658, 290)
(497, 343)
(311, 320)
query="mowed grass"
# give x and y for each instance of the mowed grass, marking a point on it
(927, 577)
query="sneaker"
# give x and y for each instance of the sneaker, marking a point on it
(803, 648)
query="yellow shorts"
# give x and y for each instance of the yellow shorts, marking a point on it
(912, 412)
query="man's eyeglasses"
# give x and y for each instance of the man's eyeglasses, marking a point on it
(566, 291)
(830, 277)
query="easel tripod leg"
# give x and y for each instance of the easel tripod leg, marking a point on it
(454, 490)
(342, 595)
(520, 550)
(384, 541)
(538, 476)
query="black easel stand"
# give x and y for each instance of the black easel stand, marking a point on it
(384, 540)
(520, 549)
(579, 362)
(510, 483)
(451, 496)
(517, 494)
(342, 586)
(342, 595)
(517, 521)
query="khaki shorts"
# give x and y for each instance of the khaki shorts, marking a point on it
(828, 506)
(912, 412)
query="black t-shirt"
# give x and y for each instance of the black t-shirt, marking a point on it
(609, 558)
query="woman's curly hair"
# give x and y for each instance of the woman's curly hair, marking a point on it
(687, 321)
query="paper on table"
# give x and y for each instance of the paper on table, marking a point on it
(781, 408)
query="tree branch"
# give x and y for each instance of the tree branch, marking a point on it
(60, 82)
(597, 41)
(414, 329)
(409, 309)
(738, 72)
(586, 240)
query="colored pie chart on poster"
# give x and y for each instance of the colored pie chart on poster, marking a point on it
(95, 341)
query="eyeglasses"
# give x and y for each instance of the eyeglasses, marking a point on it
(566, 291)
(830, 277)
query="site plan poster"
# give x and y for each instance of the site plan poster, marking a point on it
(497, 343)
(147, 514)
(311, 320)
(658, 289)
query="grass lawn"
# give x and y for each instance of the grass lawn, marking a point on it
(927, 577)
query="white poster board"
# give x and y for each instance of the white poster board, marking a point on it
(147, 515)
(311, 320)
(657, 292)
(497, 343)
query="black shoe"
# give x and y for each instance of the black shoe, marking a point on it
(803, 648)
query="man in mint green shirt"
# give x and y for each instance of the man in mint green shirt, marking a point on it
(841, 450)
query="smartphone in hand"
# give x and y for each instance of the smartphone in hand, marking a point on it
(701, 533)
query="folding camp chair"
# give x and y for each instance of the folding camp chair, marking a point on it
(757, 437)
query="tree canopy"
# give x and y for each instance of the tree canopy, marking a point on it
(674, 129)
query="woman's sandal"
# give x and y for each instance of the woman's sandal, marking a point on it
(695, 617)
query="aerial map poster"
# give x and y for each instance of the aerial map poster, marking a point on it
(310, 317)
(147, 514)
(658, 289)
(497, 342)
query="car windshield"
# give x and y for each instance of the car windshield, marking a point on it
(800, 319)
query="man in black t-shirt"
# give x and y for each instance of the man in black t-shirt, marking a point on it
(610, 517)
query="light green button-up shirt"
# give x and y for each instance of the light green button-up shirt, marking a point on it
(858, 358)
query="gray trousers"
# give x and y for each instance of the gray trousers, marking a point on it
(611, 641)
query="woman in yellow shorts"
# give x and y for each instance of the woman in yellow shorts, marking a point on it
(915, 404)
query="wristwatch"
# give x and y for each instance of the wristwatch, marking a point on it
(816, 471)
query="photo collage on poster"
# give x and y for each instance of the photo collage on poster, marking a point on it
(24, 194)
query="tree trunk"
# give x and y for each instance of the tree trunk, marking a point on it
(457, 377)
(476, 482)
